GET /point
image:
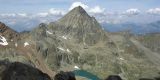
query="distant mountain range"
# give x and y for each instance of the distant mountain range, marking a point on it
(136, 28)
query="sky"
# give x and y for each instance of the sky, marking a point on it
(26, 14)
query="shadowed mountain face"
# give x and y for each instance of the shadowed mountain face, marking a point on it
(113, 77)
(65, 76)
(20, 71)
(77, 40)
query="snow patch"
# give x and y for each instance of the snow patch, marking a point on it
(26, 44)
(16, 44)
(4, 41)
(68, 50)
(121, 58)
(60, 48)
(49, 32)
(76, 67)
(64, 37)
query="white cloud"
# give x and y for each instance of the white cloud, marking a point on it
(25, 20)
(155, 11)
(50, 12)
(131, 12)
(76, 4)
(22, 14)
(54, 11)
(8, 15)
(13, 15)
(97, 9)
(43, 14)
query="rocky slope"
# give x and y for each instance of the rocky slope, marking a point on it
(7, 32)
(15, 47)
(77, 40)
(151, 41)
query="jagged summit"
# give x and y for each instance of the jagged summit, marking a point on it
(78, 10)
(77, 15)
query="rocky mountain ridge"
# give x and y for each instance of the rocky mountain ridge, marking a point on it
(7, 32)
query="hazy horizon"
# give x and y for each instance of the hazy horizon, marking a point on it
(24, 15)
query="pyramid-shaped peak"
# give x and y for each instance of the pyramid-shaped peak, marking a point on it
(78, 10)
(81, 26)
(76, 14)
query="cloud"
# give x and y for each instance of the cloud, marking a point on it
(8, 15)
(22, 14)
(155, 11)
(24, 21)
(50, 12)
(54, 11)
(131, 12)
(76, 4)
(15, 15)
(27, 21)
(42, 14)
(97, 9)
(93, 10)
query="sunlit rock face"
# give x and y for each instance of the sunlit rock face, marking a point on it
(7, 32)
(81, 26)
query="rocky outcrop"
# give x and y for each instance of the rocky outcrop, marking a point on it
(7, 32)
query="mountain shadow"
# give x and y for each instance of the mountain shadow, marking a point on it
(20, 71)
(113, 77)
(65, 76)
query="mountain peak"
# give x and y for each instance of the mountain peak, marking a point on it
(76, 12)
(79, 10)
(81, 26)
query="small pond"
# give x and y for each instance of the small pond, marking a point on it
(86, 74)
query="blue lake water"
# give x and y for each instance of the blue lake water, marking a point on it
(86, 74)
